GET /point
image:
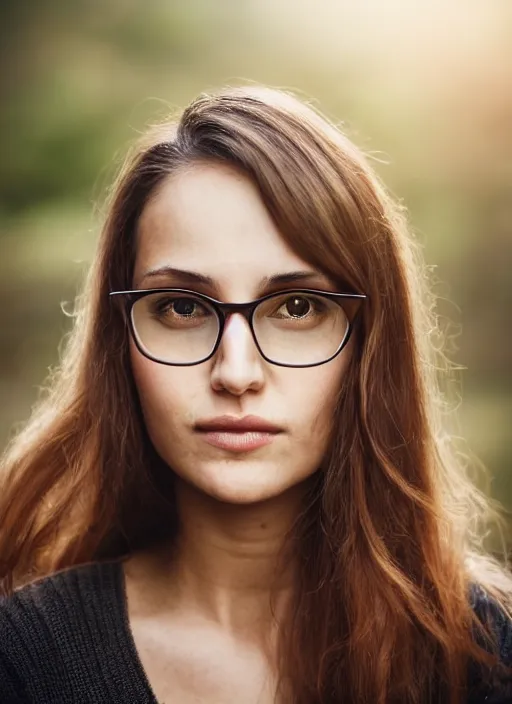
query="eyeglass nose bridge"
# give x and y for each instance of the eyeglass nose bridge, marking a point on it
(224, 310)
(246, 309)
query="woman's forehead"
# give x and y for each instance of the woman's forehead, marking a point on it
(204, 207)
(210, 219)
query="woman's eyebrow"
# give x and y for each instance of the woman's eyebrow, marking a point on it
(188, 277)
(294, 277)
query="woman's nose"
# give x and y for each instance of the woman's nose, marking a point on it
(238, 366)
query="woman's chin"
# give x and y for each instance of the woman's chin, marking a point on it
(241, 482)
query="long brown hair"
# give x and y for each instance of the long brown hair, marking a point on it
(388, 544)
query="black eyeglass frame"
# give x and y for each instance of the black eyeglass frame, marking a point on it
(223, 310)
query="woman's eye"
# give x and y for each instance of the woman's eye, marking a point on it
(296, 307)
(185, 306)
(180, 307)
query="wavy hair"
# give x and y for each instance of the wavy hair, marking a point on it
(389, 542)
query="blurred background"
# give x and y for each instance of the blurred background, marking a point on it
(425, 86)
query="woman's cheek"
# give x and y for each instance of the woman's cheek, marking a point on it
(316, 388)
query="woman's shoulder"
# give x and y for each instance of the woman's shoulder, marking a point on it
(491, 612)
(492, 686)
(49, 625)
(60, 593)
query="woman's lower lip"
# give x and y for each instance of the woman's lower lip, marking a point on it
(236, 441)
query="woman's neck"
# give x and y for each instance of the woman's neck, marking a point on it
(228, 560)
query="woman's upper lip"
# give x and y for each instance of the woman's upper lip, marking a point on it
(247, 424)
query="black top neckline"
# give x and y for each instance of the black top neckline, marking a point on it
(67, 639)
(121, 601)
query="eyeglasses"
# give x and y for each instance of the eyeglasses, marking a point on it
(296, 328)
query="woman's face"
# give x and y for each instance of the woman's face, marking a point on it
(208, 220)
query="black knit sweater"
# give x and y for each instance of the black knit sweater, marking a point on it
(66, 639)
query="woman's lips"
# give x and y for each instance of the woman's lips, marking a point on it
(237, 442)
(237, 434)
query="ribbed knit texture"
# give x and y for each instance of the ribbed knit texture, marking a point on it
(66, 639)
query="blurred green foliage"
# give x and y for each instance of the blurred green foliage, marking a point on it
(424, 87)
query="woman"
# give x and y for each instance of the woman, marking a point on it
(238, 489)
